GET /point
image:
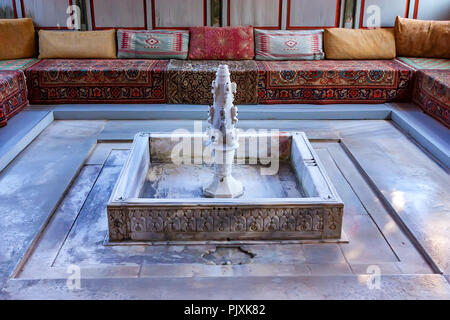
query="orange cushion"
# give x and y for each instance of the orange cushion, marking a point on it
(17, 39)
(77, 44)
(422, 38)
(359, 44)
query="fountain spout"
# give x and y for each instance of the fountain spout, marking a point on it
(223, 137)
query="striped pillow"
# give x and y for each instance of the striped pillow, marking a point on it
(155, 44)
(289, 45)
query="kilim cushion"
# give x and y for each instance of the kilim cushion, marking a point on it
(288, 45)
(157, 44)
(227, 43)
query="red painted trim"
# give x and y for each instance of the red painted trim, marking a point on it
(45, 28)
(336, 20)
(363, 9)
(416, 9)
(94, 27)
(14, 8)
(280, 10)
(154, 26)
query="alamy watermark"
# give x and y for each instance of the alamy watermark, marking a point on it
(74, 279)
(73, 21)
(374, 16)
(256, 146)
(374, 277)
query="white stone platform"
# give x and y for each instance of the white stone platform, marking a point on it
(396, 218)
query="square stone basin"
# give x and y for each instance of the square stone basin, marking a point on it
(287, 193)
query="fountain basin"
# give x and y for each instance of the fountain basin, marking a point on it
(156, 199)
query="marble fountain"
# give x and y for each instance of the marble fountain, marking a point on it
(223, 184)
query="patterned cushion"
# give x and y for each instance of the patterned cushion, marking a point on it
(432, 93)
(157, 44)
(289, 45)
(13, 94)
(227, 43)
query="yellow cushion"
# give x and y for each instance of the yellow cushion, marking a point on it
(342, 43)
(421, 38)
(17, 39)
(77, 44)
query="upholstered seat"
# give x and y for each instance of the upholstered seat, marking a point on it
(13, 95)
(97, 81)
(189, 81)
(333, 81)
(432, 93)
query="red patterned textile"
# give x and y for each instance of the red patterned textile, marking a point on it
(97, 81)
(226, 43)
(13, 95)
(333, 81)
(432, 93)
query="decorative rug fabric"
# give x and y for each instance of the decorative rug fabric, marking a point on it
(333, 81)
(432, 93)
(13, 95)
(223, 43)
(97, 81)
(189, 81)
(426, 63)
(17, 64)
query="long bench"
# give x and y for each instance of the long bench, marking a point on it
(59, 81)
(189, 81)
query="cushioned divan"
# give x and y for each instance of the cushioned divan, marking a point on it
(13, 94)
(189, 81)
(333, 81)
(432, 93)
(97, 81)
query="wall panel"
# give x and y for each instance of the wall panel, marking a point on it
(8, 9)
(388, 9)
(46, 14)
(258, 13)
(130, 14)
(432, 10)
(307, 14)
(178, 14)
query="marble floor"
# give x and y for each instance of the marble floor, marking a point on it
(396, 222)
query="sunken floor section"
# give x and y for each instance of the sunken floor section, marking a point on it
(165, 180)
(77, 235)
(395, 223)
